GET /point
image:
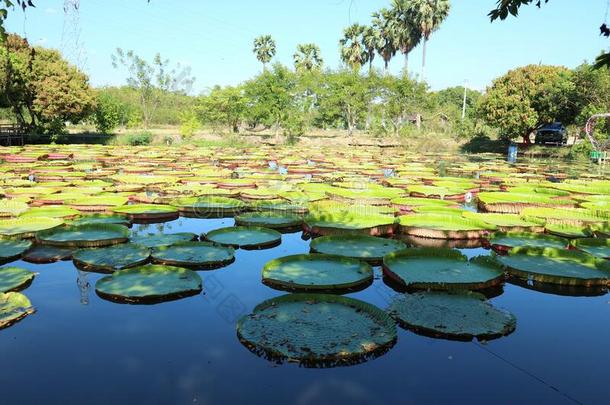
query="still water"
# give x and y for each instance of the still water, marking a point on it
(78, 348)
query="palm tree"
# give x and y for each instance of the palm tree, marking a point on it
(387, 46)
(307, 57)
(407, 30)
(264, 49)
(372, 40)
(429, 16)
(352, 49)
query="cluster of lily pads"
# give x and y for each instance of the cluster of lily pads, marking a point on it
(361, 209)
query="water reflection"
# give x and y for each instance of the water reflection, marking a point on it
(558, 289)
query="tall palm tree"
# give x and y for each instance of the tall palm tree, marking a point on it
(372, 40)
(352, 49)
(264, 49)
(429, 15)
(383, 21)
(307, 57)
(408, 34)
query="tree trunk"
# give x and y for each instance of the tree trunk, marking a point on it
(406, 63)
(423, 61)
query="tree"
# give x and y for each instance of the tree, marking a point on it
(271, 97)
(344, 95)
(372, 40)
(307, 57)
(109, 113)
(352, 49)
(43, 90)
(264, 49)
(152, 80)
(224, 106)
(401, 97)
(429, 15)
(387, 47)
(407, 31)
(527, 97)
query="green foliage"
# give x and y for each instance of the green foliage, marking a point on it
(189, 124)
(139, 139)
(109, 113)
(527, 97)
(264, 49)
(43, 90)
(223, 107)
(152, 80)
(307, 57)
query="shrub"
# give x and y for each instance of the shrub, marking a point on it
(189, 124)
(108, 113)
(139, 139)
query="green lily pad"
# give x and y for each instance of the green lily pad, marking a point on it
(568, 230)
(345, 222)
(194, 254)
(439, 226)
(101, 219)
(441, 269)
(84, 235)
(317, 272)
(158, 240)
(42, 254)
(111, 258)
(506, 241)
(148, 211)
(208, 207)
(368, 248)
(11, 249)
(150, 283)
(269, 220)
(50, 212)
(597, 247)
(507, 222)
(27, 227)
(459, 316)
(14, 307)
(14, 278)
(317, 330)
(246, 237)
(557, 266)
(12, 208)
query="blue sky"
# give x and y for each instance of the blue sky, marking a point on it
(215, 37)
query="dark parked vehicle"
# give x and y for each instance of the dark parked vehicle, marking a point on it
(552, 133)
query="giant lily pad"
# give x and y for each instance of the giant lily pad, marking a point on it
(14, 278)
(101, 219)
(345, 222)
(246, 237)
(150, 283)
(439, 226)
(51, 212)
(508, 222)
(208, 207)
(597, 247)
(14, 306)
(42, 254)
(194, 254)
(317, 272)
(148, 212)
(157, 240)
(11, 249)
(270, 220)
(317, 330)
(368, 248)
(503, 242)
(84, 236)
(557, 266)
(27, 227)
(441, 269)
(460, 316)
(111, 258)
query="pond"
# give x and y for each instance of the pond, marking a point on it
(81, 348)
